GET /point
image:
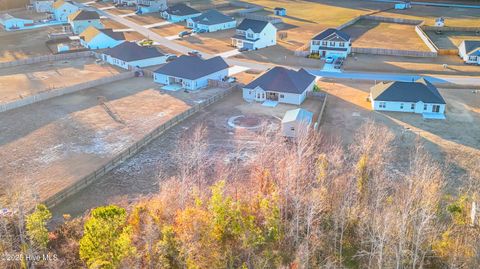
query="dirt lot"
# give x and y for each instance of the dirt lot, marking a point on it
(63, 139)
(146, 19)
(24, 44)
(374, 34)
(28, 14)
(121, 11)
(216, 42)
(451, 40)
(21, 81)
(140, 175)
(133, 36)
(108, 23)
(169, 30)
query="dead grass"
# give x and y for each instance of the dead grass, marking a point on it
(169, 30)
(216, 42)
(145, 19)
(451, 40)
(133, 36)
(108, 23)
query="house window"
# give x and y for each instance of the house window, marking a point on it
(412, 106)
(324, 43)
(342, 44)
(258, 95)
(436, 108)
(332, 43)
(282, 96)
(292, 128)
(425, 107)
(401, 106)
(472, 58)
(382, 105)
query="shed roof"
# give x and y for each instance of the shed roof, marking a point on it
(192, 67)
(299, 114)
(212, 17)
(280, 79)
(130, 51)
(81, 15)
(399, 91)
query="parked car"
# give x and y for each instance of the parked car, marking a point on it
(194, 53)
(242, 49)
(329, 60)
(184, 33)
(338, 63)
(171, 57)
(199, 31)
(145, 42)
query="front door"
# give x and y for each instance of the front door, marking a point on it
(324, 53)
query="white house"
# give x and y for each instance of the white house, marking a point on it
(150, 6)
(191, 72)
(469, 51)
(331, 43)
(129, 55)
(10, 23)
(212, 21)
(43, 6)
(416, 97)
(62, 9)
(281, 85)
(296, 121)
(254, 34)
(82, 19)
(93, 38)
(180, 12)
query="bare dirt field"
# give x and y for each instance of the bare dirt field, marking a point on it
(28, 14)
(60, 140)
(380, 63)
(25, 80)
(216, 42)
(140, 175)
(374, 34)
(169, 30)
(146, 19)
(121, 11)
(451, 40)
(24, 44)
(108, 23)
(133, 36)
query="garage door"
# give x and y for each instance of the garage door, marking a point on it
(248, 45)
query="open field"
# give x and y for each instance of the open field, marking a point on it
(140, 175)
(60, 140)
(25, 80)
(215, 42)
(375, 34)
(451, 40)
(169, 30)
(24, 44)
(146, 19)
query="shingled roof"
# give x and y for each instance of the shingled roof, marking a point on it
(256, 25)
(130, 51)
(181, 10)
(192, 67)
(212, 17)
(472, 47)
(83, 15)
(411, 92)
(60, 3)
(332, 34)
(91, 32)
(280, 79)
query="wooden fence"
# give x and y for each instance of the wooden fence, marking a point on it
(391, 20)
(405, 53)
(47, 58)
(451, 29)
(271, 19)
(426, 39)
(132, 150)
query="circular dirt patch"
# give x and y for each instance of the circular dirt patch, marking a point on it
(245, 122)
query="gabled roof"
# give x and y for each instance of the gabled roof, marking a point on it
(279, 8)
(82, 15)
(472, 47)
(192, 67)
(212, 17)
(181, 10)
(256, 25)
(280, 79)
(130, 51)
(332, 34)
(91, 32)
(412, 92)
(298, 114)
(60, 3)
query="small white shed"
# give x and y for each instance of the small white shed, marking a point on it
(296, 121)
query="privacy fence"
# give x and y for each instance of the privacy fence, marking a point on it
(132, 150)
(47, 58)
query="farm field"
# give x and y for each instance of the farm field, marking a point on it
(374, 34)
(451, 40)
(25, 80)
(142, 174)
(60, 140)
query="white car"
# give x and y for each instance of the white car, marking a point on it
(329, 60)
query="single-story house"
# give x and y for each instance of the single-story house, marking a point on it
(254, 34)
(417, 97)
(62, 9)
(129, 55)
(212, 21)
(43, 5)
(180, 12)
(280, 11)
(469, 51)
(94, 38)
(281, 85)
(150, 6)
(82, 19)
(296, 121)
(331, 43)
(12, 23)
(191, 72)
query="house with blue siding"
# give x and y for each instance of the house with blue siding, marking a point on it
(129, 55)
(191, 72)
(62, 9)
(331, 43)
(93, 38)
(10, 23)
(469, 51)
(82, 19)
(150, 6)
(280, 11)
(281, 85)
(254, 34)
(179, 13)
(212, 21)
(419, 97)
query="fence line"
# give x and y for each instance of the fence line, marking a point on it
(392, 20)
(47, 58)
(451, 29)
(62, 91)
(426, 39)
(271, 19)
(132, 150)
(406, 53)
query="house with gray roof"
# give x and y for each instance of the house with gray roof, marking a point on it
(254, 34)
(10, 23)
(469, 51)
(296, 121)
(331, 43)
(191, 72)
(419, 96)
(129, 55)
(82, 19)
(280, 85)
(212, 21)
(180, 12)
